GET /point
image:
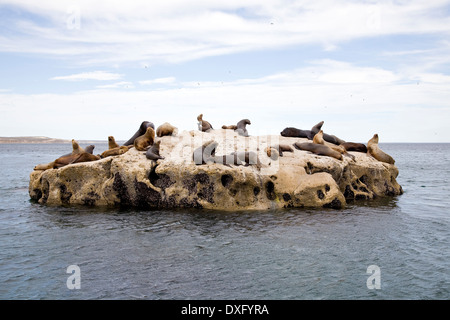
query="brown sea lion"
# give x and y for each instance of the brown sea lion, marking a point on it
(153, 152)
(272, 153)
(205, 153)
(114, 151)
(232, 127)
(141, 143)
(142, 129)
(318, 139)
(374, 150)
(203, 125)
(353, 146)
(282, 148)
(319, 149)
(74, 158)
(76, 149)
(66, 160)
(112, 143)
(241, 127)
(166, 129)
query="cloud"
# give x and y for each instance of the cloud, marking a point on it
(166, 80)
(121, 84)
(174, 31)
(384, 102)
(95, 75)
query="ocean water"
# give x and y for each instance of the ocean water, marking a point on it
(290, 254)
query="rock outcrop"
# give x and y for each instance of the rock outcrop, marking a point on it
(296, 179)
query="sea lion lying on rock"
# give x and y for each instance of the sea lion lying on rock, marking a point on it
(319, 149)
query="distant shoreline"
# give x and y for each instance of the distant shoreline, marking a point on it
(42, 140)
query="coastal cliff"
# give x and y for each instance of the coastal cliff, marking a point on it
(295, 179)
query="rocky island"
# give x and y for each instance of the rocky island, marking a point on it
(274, 180)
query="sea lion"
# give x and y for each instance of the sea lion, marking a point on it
(374, 150)
(153, 152)
(76, 149)
(46, 166)
(203, 125)
(353, 146)
(112, 143)
(114, 151)
(319, 149)
(89, 148)
(272, 153)
(74, 158)
(166, 129)
(318, 139)
(327, 137)
(141, 143)
(205, 153)
(232, 127)
(142, 129)
(241, 127)
(282, 148)
(296, 133)
(66, 160)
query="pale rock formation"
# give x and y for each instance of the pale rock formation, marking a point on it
(298, 179)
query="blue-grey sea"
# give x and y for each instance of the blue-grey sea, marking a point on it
(290, 254)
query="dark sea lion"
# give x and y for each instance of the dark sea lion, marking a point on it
(166, 129)
(353, 146)
(327, 137)
(203, 125)
(296, 133)
(205, 153)
(319, 149)
(374, 150)
(153, 152)
(112, 143)
(141, 143)
(232, 127)
(314, 130)
(241, 127)
(114, 151)
(142, 129)
(89, 148)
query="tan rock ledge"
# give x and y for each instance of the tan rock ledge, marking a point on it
(296, 179)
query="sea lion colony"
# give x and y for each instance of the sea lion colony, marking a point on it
(146, 139)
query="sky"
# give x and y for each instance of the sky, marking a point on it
(90, 69)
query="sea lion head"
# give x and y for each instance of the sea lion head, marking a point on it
(375, 138)
(200, 117)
